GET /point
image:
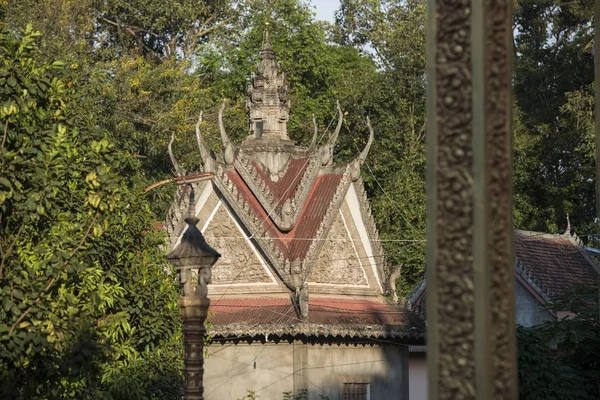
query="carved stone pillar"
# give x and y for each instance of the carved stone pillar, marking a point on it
(597, 116)
(470, 293)
(193, 313)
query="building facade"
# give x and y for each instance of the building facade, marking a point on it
(297, 298)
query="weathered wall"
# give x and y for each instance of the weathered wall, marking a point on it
(230, 370)
(417, 376)
(528, 309)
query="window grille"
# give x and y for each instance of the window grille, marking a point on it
(356, 391)
(259, 129)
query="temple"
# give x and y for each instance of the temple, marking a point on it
(301, 266)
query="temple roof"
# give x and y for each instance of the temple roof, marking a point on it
(285, 196)
(328, 317)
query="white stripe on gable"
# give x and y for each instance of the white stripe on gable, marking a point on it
(354, 205)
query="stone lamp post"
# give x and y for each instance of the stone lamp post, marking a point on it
(193, 258)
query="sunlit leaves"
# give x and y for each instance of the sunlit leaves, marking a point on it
(78, 255)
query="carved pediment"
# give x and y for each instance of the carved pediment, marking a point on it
(239, 262)
(291, 258)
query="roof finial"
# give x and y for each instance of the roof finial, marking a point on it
(227, 146)
(568, 230)
(178, 169)
(365, 152)
(267, 50)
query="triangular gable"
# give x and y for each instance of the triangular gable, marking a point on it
(240, 262)
(338, 262)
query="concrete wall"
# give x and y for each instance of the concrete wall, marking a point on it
(528, 309)
(230, 370)
(417, 376)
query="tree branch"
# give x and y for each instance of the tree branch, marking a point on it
(5, 132)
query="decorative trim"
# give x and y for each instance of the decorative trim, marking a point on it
(372, 232)
(274, 207)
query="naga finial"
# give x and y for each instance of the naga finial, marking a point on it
(203, 147)
(227, 146)
(178, 170)
(363, 154)
(327, 150)
(313, 142)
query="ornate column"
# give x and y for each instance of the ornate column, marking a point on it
(596, 52)
(193, 258)
(470, 293)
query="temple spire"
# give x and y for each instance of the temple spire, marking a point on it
(267, 98)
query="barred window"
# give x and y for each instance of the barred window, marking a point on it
(356, 391)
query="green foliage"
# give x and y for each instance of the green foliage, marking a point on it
(571, 371)
(554, 164)
(395, 99)
(542, 376)
(87, 307)
(250, 395)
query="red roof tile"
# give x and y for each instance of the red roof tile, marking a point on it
(555, 262)
(327, 316)
(309, 220)
(284, 188)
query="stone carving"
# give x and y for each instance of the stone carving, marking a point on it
(498, 41)
(371, 227)
(454, 221)
(238, 263)
(337, 262)
(300, 295)
(470, 270)
(204, 279)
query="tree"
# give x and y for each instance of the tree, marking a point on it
(554, 167)
(395, 172)
(87, 303)
(570, 371)
(542, 376)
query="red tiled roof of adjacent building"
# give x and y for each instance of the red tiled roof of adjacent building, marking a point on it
(548, 265)
(327, 317)
(555, 262)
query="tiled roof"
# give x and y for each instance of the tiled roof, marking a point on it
(285, 187)
(309, 220)
(550, 265)
(327, 317)
(553, 262)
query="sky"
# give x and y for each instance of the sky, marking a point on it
(325, 9)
